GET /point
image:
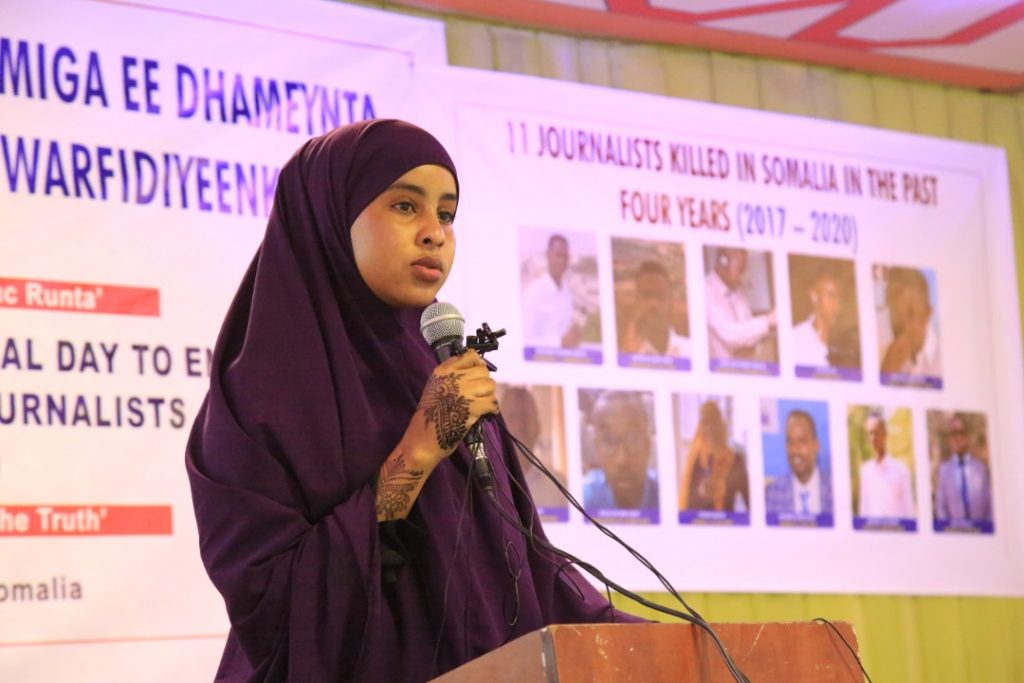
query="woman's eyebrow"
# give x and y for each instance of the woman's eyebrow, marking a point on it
(416, 189)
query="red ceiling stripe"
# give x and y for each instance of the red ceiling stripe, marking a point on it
(827, 29)
(642, 8)
(968, 34)
(766, 8)
(820, 44)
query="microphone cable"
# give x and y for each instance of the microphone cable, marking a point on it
(737, 674)
(849, 647)
(466, 505)
(692, 616)
(535, 461)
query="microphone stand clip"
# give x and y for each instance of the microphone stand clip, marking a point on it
(483, 341)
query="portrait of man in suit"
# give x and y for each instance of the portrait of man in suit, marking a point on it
(963, 489)
(805, 489)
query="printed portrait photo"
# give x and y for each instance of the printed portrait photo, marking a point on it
(882, 468)
(711, 457)
(906, 308)
(535, 415)
(740, 295)
(826, 331)
(561, 299)
(797, 452)
(651, 313)
(961, 471)
(619, 454)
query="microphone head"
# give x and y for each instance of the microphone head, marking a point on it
(442, 323)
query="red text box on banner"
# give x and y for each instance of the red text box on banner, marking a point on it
(79, 297)
(85, 520)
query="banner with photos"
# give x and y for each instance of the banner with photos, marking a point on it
(771, 353)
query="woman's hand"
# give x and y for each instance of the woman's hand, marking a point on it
(459, 392)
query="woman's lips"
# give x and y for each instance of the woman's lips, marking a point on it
(428, 268)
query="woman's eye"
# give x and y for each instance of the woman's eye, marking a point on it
(446, 216)
(404, 207)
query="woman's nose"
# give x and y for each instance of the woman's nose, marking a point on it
(431, 231)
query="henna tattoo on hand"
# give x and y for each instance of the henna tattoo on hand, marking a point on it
(446, 409)
(394, 487)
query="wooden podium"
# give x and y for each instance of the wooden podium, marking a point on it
(648, 653)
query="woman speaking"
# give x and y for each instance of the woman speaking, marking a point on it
(332, 492)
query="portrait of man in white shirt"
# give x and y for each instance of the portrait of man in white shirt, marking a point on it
(885, 482)
(824, 303)
(549, 316)
(735, 330)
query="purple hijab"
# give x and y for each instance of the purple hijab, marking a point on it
(314, 381)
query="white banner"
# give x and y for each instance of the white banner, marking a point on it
(139, 150)
(772, 353)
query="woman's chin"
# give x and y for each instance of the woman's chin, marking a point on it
(420, 298)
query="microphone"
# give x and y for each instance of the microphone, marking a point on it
(442, 326)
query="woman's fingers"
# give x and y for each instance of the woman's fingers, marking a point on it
(470, 379)
(467, 360)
